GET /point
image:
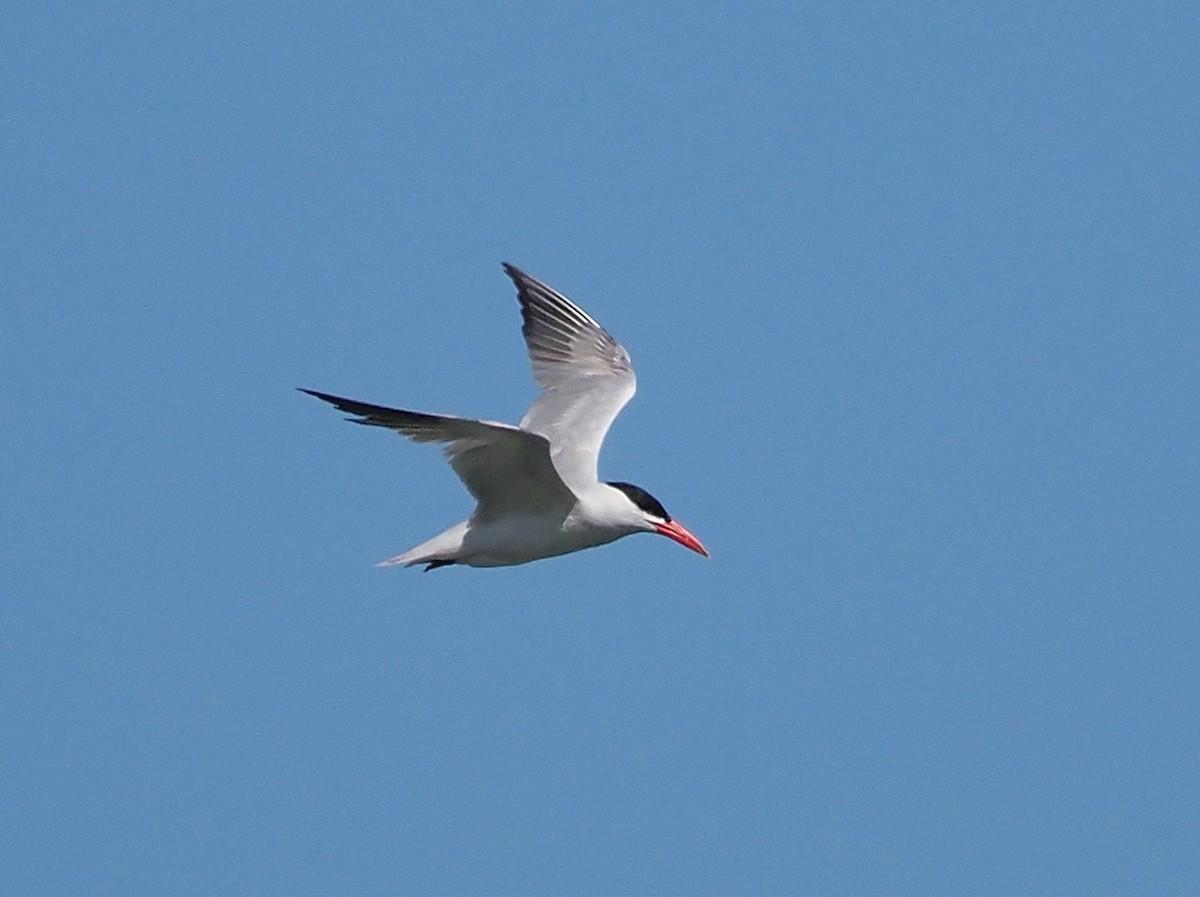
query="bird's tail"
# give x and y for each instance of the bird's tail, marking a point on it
(442, 549)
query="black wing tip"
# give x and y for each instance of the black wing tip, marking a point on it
(522, 281)
(361, 410)
(527, 294)
(533, 293)
(323, 396)
(339, 402)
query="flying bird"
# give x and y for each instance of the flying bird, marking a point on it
(536, 485)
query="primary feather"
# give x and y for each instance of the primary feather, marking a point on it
(586, 377)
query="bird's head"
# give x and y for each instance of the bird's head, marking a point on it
(646, 514)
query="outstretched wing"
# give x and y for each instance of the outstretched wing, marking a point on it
(586, 378)
(507, 469)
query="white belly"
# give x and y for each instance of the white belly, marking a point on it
(519, 540)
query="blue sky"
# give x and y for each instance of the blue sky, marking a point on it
(911, 290)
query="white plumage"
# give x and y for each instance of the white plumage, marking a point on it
(536, 485)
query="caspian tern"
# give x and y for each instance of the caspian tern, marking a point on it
(536, 484)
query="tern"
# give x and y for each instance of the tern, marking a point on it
(536, 485)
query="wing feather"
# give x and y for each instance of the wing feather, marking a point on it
(507, 469)
(586, 377)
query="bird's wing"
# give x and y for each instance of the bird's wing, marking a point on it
(507, 469)
(586, 378)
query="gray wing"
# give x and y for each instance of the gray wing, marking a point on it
(507, 469)
(586, 378)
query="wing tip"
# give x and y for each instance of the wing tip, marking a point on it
(323, 396)
(514, 272)
(363, 412)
